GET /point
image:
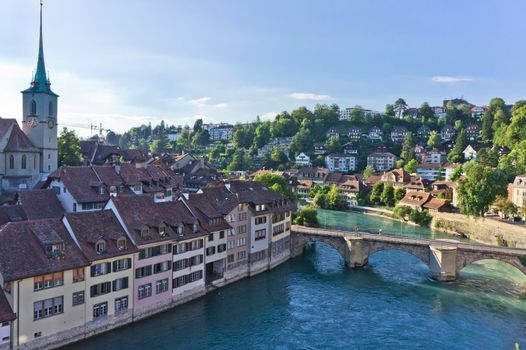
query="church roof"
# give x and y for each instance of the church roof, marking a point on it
(40, 82)
(19, 142)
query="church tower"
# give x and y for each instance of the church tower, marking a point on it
(39, 108)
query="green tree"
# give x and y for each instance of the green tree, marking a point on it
(389, 110)
(434, 139)
(307, 216)
(516, 131)
(368, 171)
(376, 192)
(198, 125)
(514, 163)
(480, 189)
(486, 131)
(400, 107)
(387, 196)
(408, 148)
(461, 143)
(201, 138)
(314, 190)
(335, 199)
(302, 142)
(68, 145)
(262, 136)
(456, 173)
(425, 112)
(334, 144)
(243, 137)
(240, 161)
(399, 193)
(411, 166)
(270, 180)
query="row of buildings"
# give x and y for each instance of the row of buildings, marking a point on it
(121, 253)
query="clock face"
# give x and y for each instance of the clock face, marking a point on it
(50, 123)
(32, 122)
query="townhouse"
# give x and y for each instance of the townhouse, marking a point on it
(270, 222)
(41, 281)
(398, 133)
(381, 161)
(517, 191)
(236, 213)
(108, 295)
(215, 244)
(154, 229)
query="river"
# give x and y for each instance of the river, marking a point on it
(315, 302)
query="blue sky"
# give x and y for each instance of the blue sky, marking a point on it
(124, 63)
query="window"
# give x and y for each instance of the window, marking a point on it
(221, 248)
(242, 229)
(180, 229)
(74, 207)
(120, 284)
(143, 271)
(11, 162)
(78, 298)
(100, 269)
(100, 289)
(230, 258)
(48, 281)
(78, 275)
(240, 207)
(231, 232)
(121, 305)
(122, 264)
(260, 234)
(162, 231)
(24, 161)
(48, 308)
(221, 234)
(56, 189)
(100, 247)
(241, 242)
(241, 255)
(161, 286)
(231, 244)
(145, 291)
(210, 237)
(121, 243)
(210, 251)
(261, 220)
(242, 216)
(155, 251)
(182, 280)
(100, 310)
(163, 266)
(33, 107)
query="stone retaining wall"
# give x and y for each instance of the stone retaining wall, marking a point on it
(483, 230)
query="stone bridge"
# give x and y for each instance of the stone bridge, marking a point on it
(445, 258)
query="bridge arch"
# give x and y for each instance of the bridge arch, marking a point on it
(422, 253)
(338, 243)
(513, 261)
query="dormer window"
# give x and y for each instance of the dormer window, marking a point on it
(55, 250)
(121, 243)
(113, 189)
(145, 232)
(100, 247)
(180, 229)
(162, 231)
(101, 190)
(194, 228)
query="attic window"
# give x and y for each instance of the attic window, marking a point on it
(101, 190)
(162, 231)
(194, 228)
(121, 243)
(55, 250)
(100, 246)
(180, 229)
(113, 189)
(145, 232)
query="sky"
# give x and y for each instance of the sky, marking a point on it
(126, 63)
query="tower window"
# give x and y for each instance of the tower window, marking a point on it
(33, 107)
(11, 162)
(50, 109)
(24, 161)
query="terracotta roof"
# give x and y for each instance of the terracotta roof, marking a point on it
(29, 240)
(255, 193)
(210, 218)
(107, 175)
(435, 203)
(138, 212)
(5, 125)
(6, 312)
(415, 198)
(81, 183)
(41, 204)
(91, 227)
(12, 213)
(19, 142)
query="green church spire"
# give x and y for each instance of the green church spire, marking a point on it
(40, 82)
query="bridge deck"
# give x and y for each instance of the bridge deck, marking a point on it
(473, 247)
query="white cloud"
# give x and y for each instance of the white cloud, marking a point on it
(309, 96)
(446, 79)
(203, 102)
(269, 116)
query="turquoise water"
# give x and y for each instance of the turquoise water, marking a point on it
(315, 302)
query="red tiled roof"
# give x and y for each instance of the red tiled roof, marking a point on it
(415, 198)
(29, 239)
(6, 312)
(41, 204)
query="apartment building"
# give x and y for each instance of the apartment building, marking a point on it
(108, 298)
(340, 162)
(381, 161)
(40, 282)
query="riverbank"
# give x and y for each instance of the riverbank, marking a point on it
(482, 230)
(383, 213)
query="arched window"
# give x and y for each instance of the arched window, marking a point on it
(50, 109)
(33, 107)
(24, 161)
(11, 161)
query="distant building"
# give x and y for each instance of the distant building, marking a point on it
(319, 148)
(350, 148)
(430, 171)
(473, 131)
(346, 113)
(375, 133)
(517, 191)
(398, 133)
(470, 152)
(381, 161)
(355, 133)
(434, 156)
(221, 131)
(303, 159)
(478, 111)
(447, 132)
(340, 162)
(423, 132)
(439, 111)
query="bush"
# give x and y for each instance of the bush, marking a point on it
(307, 216)
(421, 218)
